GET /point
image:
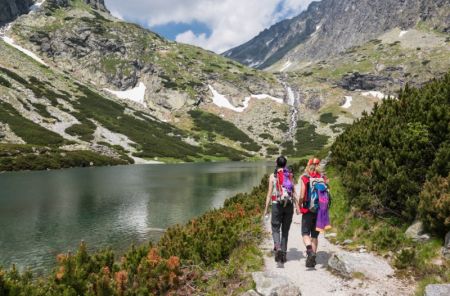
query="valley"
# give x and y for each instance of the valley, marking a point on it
(362, 85)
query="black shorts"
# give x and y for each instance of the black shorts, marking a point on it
(309, 225)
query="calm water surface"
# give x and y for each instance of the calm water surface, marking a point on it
(45, 213)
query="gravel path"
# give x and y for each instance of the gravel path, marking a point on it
(319, 281)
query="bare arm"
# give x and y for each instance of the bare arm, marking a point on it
(301, 197)
(269, 194)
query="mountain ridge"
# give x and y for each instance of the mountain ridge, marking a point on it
(11, 9)
(330, 27)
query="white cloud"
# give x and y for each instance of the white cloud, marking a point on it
(232, 22)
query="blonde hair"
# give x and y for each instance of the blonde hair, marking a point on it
(308, 168)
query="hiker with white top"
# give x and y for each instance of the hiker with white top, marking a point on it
(281, 195)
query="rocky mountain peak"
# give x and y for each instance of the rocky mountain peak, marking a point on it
(96, 4)
(10, 9)
(330, 27)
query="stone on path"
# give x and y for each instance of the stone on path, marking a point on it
(437, 290)
(347, 242)
(348, 264)
(416, 232)
(272, 284)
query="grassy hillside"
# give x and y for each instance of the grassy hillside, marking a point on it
(120, 52)
(100, 51)
(59, 118)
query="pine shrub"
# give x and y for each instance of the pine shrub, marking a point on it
(434, 206)
(386, 157)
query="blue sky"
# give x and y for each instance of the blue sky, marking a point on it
(217, 25)
(173, 29)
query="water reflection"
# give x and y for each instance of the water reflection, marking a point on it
(45, 213)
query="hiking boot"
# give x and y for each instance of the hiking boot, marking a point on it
(278, 256)
(310, 260)
(283, 257)
(314, 260)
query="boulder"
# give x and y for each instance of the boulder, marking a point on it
(314, 102)
(416, 232)
(437, 290)
(357, 81)
(272, 284)
(347, 242)
(446, 247)
(250, 293)
(348, 264)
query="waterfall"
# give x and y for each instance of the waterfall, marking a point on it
(293, 101)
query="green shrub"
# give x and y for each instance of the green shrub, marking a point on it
(14, 76)
(387, 156)
(84, 130)
(219, 150)
(328, 118)
(28, 157)
(340, 127)
(273, 150)
(29, 131)
(156, 139)
(212, 123)
(307, 141)
(266, 136)
(434, 205)
(42, 110)
(4, 82)
(283, 126)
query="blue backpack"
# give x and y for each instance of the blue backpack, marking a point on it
(318, 194)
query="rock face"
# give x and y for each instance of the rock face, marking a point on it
(356, 81)
(348, 264)
(416, 232)
(97, 4)
(10, 9)
(100, 49)
(332, 26)
(437, 290)
(271, 284)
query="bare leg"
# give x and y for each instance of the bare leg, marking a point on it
(307, 240)
(315, 244)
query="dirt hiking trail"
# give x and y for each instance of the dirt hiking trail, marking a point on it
(376, 277)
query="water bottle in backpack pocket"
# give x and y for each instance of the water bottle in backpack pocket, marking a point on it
(318, 194)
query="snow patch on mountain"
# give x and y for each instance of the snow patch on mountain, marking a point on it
(36, 6)
(375, 94)
(11, 42)
(221, 101)
(348, 102)
(136, 94)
